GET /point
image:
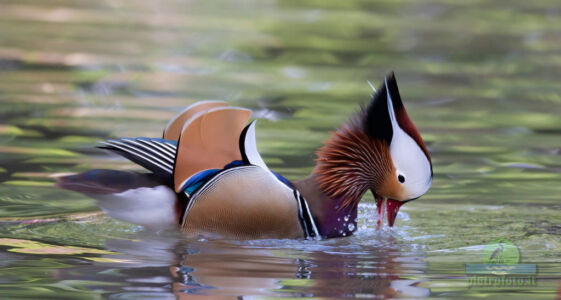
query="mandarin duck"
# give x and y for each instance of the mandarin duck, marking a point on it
(208, 178)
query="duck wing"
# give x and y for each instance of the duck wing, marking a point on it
(173, 129)
(156, 155)
(209, 140)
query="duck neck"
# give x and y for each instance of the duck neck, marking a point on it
(331, 219)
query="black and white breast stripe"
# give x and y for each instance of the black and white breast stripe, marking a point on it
(306, 219)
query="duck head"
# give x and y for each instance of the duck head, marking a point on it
(379, 150)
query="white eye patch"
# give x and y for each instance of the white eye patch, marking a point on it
(409, 159)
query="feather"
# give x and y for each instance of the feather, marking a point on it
(149, 206)
(174, 127)
(350, 163)
(400, 114)
(101, 181)
(248, 147)
(138, 198)
(209, 140)
(156, 155)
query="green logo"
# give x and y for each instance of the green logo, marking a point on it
(501, 267)
(501, 252)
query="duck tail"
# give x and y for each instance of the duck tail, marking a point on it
(129, 196)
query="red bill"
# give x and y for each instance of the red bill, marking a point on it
(389, 208)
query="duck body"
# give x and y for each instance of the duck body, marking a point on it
(241, 200)
(208, 178)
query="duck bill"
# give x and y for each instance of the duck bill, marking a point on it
(388, 207)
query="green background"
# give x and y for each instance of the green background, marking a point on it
(480, 79)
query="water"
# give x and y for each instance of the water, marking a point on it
(480, 80)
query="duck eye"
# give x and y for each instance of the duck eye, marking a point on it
(401, 178)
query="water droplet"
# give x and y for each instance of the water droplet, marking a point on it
(351, 227)
(340, 231)
(344, 234)
(338, 219)
(346, 218)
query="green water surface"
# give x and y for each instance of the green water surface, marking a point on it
(480, 79)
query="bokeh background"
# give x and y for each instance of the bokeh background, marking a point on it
(480, 79)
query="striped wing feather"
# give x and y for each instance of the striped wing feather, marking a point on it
(209, 139)
(156, 155)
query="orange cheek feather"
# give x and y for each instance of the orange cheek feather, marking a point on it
(391, 188)
(394, 192)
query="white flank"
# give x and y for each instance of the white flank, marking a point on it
(153, 207)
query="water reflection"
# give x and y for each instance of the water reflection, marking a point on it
(269, 267)
(229, 271)
(166, 264)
